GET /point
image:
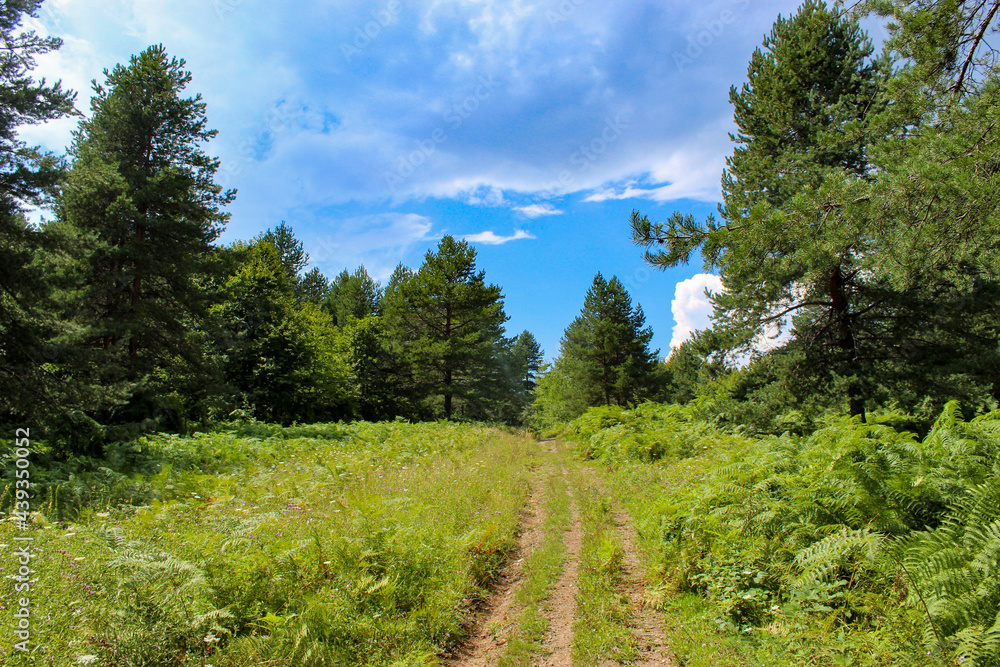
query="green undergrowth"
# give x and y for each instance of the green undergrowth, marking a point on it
(601, 632)
(855, 545)
(317, 545)
(542, 569)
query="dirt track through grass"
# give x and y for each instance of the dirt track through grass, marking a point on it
(561, 607)
(512, 630)
(497, 616)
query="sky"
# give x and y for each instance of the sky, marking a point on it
(531, 128)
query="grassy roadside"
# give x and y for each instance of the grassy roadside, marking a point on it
(356, 545)
(696, 631)
(542, 569)
(601, 631)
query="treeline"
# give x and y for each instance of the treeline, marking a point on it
(121, 314)
(860, 217)
(856, 240)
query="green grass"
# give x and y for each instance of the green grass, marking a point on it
(325, 545)
(601, 631)
(542, 569)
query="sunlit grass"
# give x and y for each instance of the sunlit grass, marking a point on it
(359, 545)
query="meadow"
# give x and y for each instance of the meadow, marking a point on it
(364, 544)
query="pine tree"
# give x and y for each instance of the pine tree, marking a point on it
(448, 321)
(353, 295)
(143, 187)
(524, 360)
(801, 120)
(314, 287)
(607, 348)
(291, 250)
(27, 176)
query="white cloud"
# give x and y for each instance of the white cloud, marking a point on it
(490, 238)
(483, 196)
(692, 312)
(691, 308)
(537, 210)
(380, 242)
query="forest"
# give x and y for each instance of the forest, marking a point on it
(238, 460)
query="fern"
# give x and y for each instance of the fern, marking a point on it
(955, 568)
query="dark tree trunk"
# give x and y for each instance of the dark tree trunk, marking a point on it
(133, 341)
(847, 341)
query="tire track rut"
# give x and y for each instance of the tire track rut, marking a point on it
(495, 618)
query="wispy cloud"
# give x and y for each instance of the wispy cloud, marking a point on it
(491, 238)
(537, 210)
(379, 242)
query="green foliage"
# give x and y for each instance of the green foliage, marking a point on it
(284, 356)
(856, 526)
(449, 324)
(27, 178)
(608, 346)
(604, 358)
(353, 296)
(809, 92)
(291, 251)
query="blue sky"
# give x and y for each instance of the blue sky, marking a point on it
(531, 127)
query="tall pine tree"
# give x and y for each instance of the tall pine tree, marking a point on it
(449, 322)
(801, 119)
(27, 176)
(143, 188)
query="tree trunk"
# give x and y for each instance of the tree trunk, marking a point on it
(847, 341)
(133, 341)
(447, 372)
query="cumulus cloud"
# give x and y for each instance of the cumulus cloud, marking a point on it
(488, 103)
(691, 308)
(537, 210)
(491, 238)
(692, 312)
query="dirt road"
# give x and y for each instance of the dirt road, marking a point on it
(533, 616)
